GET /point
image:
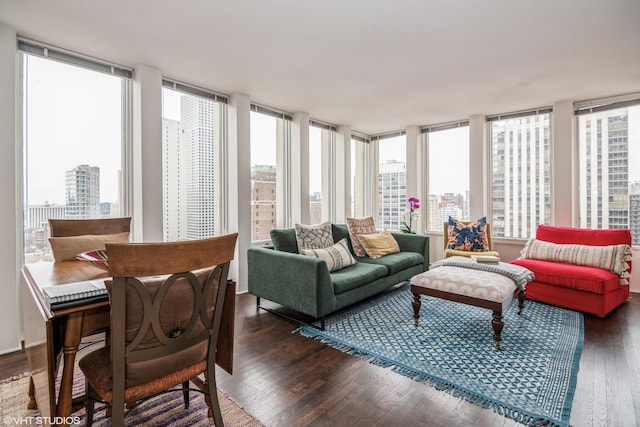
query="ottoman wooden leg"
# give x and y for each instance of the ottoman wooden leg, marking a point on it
(416, 307)
(497, 324)
(522, 295)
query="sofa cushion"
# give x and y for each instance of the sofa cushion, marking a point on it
(340, 231)
(337, 256)
(468, 237)
(359, 226)
(380, 244)
(284, 239)
(356, 275)
(396, 262)
(317, 236)
(588, 279)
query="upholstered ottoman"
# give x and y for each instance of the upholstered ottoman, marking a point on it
(470, 286)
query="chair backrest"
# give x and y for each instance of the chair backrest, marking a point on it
(445, 237)
(166, 305)
(80, 227)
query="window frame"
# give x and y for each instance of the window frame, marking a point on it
(603, 105)
(284, 178)
(426, 131)
(524, 233)
(49, 52)
(220, 149)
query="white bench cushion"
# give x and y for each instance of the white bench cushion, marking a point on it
(465, 281)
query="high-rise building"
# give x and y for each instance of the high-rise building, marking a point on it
(197, 119)
(449, 210)
(315, 208)
(189, 170)
(36, 229)
(604, 170)
(174, 171)
(451, 205)
(634, 212)
(263, 201)
(433, 214)
(521, 175)
(392, 191)
(82, 192)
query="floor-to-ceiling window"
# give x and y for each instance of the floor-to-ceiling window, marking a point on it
(448, 169)
(360, 177)
(520, 172)
(270, 136)
(392, 182)
(609, 165)
(74, 135)
(192, 133)
(321, 177)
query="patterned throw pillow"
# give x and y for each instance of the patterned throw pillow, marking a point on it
(357, 227)
(336, 256)
(614, 258)
(468, 237)
(317, 236)
(380, 244)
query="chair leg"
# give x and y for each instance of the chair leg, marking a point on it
(185, 394)
(88, 404)
(212, 401)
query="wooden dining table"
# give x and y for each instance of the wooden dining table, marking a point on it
(52, 337)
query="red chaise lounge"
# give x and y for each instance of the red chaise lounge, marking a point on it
(588, 289)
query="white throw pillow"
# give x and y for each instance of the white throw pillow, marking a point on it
(336, 256)
(614, 258)
(317, 236)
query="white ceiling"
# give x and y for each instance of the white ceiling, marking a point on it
(375, 65)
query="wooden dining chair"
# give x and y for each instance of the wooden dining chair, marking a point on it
(70, 237)
(79, 227)
(166, 311)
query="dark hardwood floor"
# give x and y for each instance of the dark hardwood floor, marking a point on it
(285, 379)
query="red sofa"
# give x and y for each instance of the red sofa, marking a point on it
(587, 289)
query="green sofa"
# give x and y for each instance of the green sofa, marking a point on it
(303, 283)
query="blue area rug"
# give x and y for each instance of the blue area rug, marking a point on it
(531, 381)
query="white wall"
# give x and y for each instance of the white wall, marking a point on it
(147, 154)
(239, 184)
(10, 227)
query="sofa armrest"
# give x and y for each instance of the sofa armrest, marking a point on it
(414, 243)
(296, 281)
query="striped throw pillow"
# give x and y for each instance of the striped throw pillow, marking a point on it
(613, 258)
(336, 256)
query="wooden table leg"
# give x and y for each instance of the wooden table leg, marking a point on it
(416, 307)
(497, 324)
(32, 404)
(72, 337)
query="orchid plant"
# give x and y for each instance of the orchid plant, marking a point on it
(414, 205)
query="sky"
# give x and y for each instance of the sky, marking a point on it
(66, 127)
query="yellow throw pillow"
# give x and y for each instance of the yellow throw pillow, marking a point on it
(379, 244)
(66, 248)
